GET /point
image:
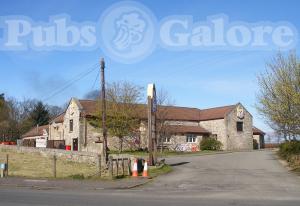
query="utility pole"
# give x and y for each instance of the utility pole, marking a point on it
(103, 109)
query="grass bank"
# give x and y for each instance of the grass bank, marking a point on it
(290, 151)
(156, 171)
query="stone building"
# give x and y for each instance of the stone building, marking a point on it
(258, 138)
(179, 128)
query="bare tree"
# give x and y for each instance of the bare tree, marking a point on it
(164, 100)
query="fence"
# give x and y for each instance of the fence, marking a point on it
(119, 167)
(54, 144)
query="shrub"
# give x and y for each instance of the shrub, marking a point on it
(77, 176)
(210, 144)
(287, 149)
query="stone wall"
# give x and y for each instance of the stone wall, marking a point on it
(179, 141)
(74, 156)
(216, 127)
(239, 140)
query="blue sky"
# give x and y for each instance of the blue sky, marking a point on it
(193, 78)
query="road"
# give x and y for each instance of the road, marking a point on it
(240, 178)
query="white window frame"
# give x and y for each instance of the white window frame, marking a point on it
(191, 138)
(166, 139)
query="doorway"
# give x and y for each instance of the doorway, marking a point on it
(75, 144)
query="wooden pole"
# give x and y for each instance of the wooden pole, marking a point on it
(117, 164)
(104, 129)
(123, 169)
(129, 166)
(154, 138)
(150, 141)
(111, 167)
(54, 166)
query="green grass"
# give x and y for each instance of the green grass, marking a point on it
(156, 171)
(34, 165)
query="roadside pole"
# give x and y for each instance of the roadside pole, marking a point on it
(152, 107)
(150, 149)
(103, 109)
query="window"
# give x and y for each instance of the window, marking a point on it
(239, 126)
(191, 138)
(166, 139)
(71, 125)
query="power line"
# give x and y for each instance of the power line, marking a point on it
(71, 82)
(74, 77)
(94, 84)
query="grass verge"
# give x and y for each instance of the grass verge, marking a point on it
(156, 171)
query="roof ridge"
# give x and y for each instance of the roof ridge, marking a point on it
(91, 100)
(179, 106)
(232, 105)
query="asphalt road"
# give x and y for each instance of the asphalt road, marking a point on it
(242, 178)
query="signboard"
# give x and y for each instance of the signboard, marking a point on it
(240, 112)
(42, 143)
(151, 92)
(2, 166)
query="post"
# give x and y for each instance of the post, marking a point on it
(6, 165)
(54, 166)
(123, 169)
(154, 138)
(104, 129)
(152, 108)
(129, 166)
(150, 142)
(117, 164)
(111, 167)
(99, 164)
